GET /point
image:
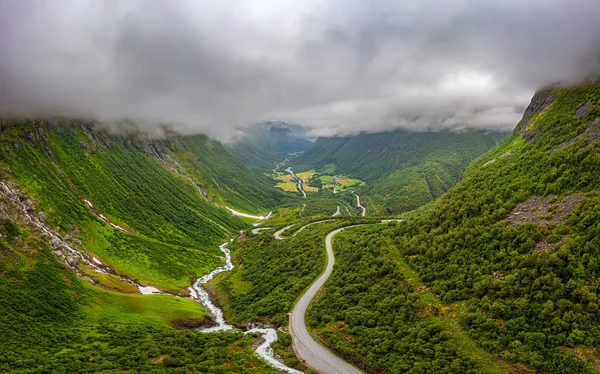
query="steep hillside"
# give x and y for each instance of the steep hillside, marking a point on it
(147, 208)
(403, 170)
(52, 321)
(63, 307)
(506, 262)
(230, 181)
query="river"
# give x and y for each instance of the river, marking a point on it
(289, 170)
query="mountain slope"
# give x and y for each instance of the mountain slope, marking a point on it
(163, 222)
(51, 319)
(506, 261)
(403, 170)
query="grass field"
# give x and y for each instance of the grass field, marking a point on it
(326, 179)
(306, 175)
(287, 186)
(286, 182)
(348, 183)
(152, 309)
(283, 177)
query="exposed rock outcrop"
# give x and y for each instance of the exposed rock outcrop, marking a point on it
(544, 210)
(540, 102)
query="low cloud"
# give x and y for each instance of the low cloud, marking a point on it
(338, 66)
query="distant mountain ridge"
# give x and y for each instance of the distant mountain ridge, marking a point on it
(265, 144)
(403, 170)
(280, 136)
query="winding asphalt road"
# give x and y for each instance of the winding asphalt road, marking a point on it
(362, 208)
(315, 355)
(337, 212)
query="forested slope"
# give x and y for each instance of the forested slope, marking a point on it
(52, 320)
(162, 193)
(403, 170)
(506, 263)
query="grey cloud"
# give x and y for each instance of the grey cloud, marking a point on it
(339, 66)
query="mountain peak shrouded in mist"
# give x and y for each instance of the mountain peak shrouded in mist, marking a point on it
(341, 67)
(276, 136)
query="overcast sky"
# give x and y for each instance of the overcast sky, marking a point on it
(339, 66)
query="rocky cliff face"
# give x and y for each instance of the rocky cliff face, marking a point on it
(586, 112)
(540, 102)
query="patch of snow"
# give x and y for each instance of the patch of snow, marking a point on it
(148, 290)
(110, 223)
(240, 214)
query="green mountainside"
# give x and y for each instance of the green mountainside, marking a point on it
(149, 210)
(164, 193)
(503, 269)
(402, 170)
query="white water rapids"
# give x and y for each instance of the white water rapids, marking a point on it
(199, 293)
(269, 335)
(265, 351)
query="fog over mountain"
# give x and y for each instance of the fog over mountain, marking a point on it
(338, 66)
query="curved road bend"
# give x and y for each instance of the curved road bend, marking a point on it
(362, 208)
(337, 212)
(315, 355)
(278, 236)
